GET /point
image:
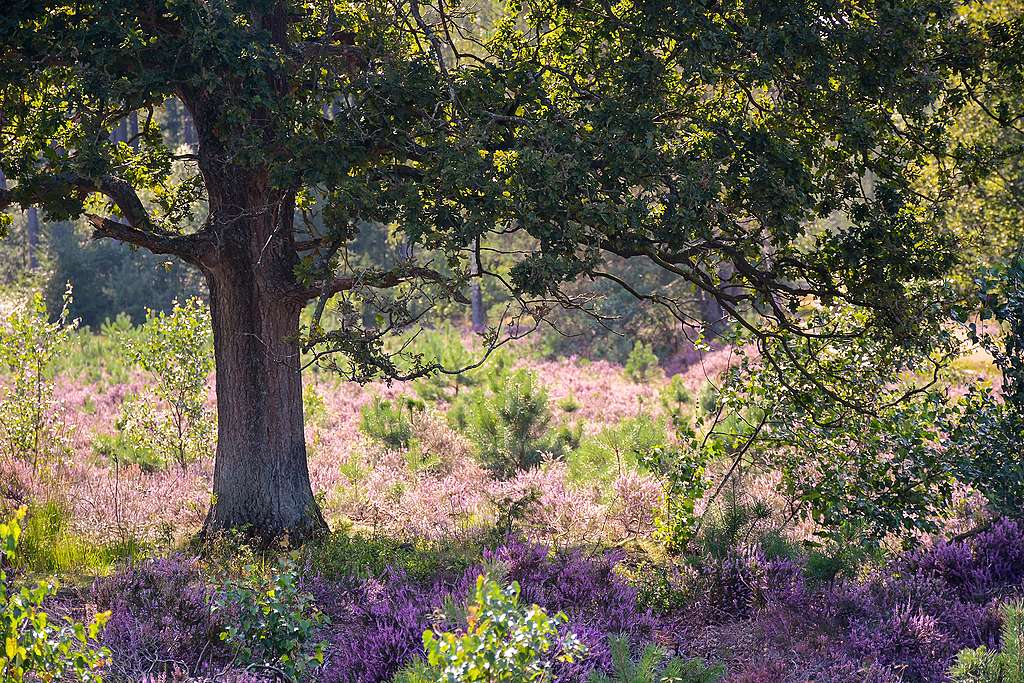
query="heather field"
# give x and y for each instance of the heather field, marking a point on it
(419, 511)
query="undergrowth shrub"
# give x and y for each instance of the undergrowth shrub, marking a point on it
(677, 402)
(270, 621)
(176, 350)
(32, 426)
(343, 554)
(642, 364)
(982, 665)
(36, 647)
(96, 355)
(444, 346)
(387, 422)
(654, 666)
(502, 641)
(616, 449)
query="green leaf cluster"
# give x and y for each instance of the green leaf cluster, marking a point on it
(502, 642)
(270, 620)
(34, 646)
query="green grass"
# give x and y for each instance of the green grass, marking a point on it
(49, 545)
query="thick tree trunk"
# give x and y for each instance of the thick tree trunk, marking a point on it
(261, 479)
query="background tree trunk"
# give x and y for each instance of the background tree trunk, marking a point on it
(32, 237)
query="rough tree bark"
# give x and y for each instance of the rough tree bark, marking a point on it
(261, 480)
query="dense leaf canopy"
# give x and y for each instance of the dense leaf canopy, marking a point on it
(783, 140)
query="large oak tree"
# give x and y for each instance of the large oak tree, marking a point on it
(778, 141)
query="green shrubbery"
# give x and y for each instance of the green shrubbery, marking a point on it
(616, 449)
(35, 647)
(344, 554)
(511, 425)
(654, 666)
(270, 621)
(31, 424)
(388, 423)
(501, 642)
(642, 364)
(176, 350)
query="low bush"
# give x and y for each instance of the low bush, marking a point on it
(616, 449)
(388, 423)
(344, 555)
(36, 647)
(269, 621)
(502, 641)
(49, 544)
(511, 426)
(654, 666)
(642, 365)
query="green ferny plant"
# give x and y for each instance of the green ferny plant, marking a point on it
(271, 621)
(982, 665)
(652, 667)
(29, 424)
(35, 648)
(503, 642)
(176, 350)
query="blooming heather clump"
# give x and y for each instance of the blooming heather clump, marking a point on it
(160, 618)
(377, 625)
(904, 622)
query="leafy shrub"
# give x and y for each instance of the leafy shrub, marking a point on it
(270, 621)
(386, 422)
(511, 426)
(314, 408)
(652, 667)
(597, 600)
(986, 435)
(502, 641)
(36, 647)
(31, 425)
(176, 350)
(682, 467)
(122, 449)
(642, 364)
